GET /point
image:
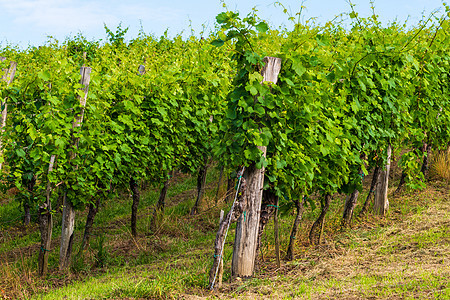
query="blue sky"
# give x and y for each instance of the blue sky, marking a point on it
(27, 22)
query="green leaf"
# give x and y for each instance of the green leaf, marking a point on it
(262, 163)
(156, 121)
(281, 164)
(331, 76)
(232, 34)
(162, 111)
(260, 110)
(218, 43)
(253, 90)
(265, 138)
(262, 27)
(231, 114)
(248, 154)
(222, 18)
(289, 82)
(298, 67)
(20, 153)
(144, 140)
(252, 57)
(125, 148)
(44, 75)
(59, 143)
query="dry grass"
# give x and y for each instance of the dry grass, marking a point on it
(402, 256)
(14, 277)
(440, 165)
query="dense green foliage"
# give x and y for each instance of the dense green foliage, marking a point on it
(343, 93)
(135, 125)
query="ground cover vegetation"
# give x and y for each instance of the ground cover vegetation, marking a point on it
(114, 156)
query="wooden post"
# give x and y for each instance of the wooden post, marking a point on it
(68, 218)
(245, 244)
(381, 203)
(235, 212)
(8, 77)
(46, 225)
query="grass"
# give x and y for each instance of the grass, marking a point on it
(402, 256)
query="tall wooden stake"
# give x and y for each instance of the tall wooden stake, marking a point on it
(245, 243)
(68, 218)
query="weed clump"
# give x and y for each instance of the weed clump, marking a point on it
(440, 166)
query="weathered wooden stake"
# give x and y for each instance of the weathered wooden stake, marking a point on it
(381, 203)
(245, 243)
(68, 218)
(235, 212)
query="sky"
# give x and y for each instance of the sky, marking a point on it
(31, 22)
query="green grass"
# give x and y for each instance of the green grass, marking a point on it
(169, 282)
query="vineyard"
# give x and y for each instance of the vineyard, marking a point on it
(178, 144)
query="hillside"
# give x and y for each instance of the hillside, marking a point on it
(405, 255)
